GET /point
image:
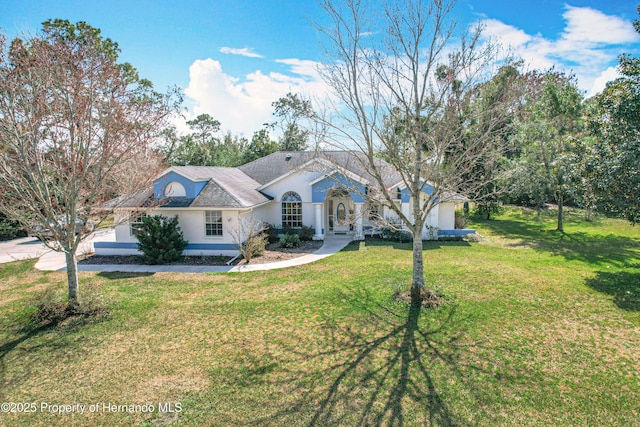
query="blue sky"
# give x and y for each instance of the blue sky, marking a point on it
(233, 58)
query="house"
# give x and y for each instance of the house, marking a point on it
(322, 190)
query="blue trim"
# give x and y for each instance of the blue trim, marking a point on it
(320, 189)
(115, 245)
(191, 188)
(405, 195)
(457, 232)
(190, 246)
(211, 246)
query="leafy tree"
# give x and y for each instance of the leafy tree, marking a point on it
(546, 137)
(292, 110)
(202, 147)
(76, 130)
(204, 127)
(613, 165)
(190, 152)
(231, 151)
(505, 88)
(167, 143)
(160, 240)
(261, 145)
(403, 70)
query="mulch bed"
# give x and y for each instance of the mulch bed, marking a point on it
(273, 253)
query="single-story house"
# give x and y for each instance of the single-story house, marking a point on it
(322, 190)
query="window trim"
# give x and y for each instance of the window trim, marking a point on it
(215, 223)
(291, 210)
(135, 222)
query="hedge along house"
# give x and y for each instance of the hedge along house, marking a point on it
(325, 191)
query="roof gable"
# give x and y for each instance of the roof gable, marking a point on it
(211, 187)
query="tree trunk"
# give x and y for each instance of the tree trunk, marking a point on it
(417, 281)
(560, 206)
(72, 278)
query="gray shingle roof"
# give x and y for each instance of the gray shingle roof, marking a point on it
(238, 187)
(271, 167)
(227, 187)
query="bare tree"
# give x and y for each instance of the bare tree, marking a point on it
(404, 84)
(248, 236)
(76, 130)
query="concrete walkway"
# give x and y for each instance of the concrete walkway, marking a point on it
(330, 247)
(53, 261)
(50, 260)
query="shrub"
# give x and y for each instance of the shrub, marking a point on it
(272, 233)
(10, 229)
(461, 219)
(290, 241)
(306, 233)
(432, 232)
(254, 246)
(160, 240)
(396, 235)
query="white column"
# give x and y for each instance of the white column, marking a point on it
(318, 221)
(359, 222)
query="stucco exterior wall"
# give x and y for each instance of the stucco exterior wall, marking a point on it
(446, 216)
(297, 182)
(192, 224)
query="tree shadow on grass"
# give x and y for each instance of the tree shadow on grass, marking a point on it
(401, 369)
(587, 247)
(117, 275)
(426, 244)
(623, 286)
(28, 341)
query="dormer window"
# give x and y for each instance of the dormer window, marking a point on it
(174, 189)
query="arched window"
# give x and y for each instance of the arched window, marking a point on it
(291, 210)
(174, 189)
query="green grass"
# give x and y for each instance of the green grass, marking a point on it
(542, 328)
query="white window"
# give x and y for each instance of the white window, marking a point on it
(291, 210)
(135, 222)
(174, 189)
(213, 223)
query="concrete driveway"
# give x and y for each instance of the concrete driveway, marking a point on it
(23, 248)
(30, 247)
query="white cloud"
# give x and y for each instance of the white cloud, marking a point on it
(589, 44)
(245, 51)
(586, 25)
(244, 105)
(501, 31)
(600, 82)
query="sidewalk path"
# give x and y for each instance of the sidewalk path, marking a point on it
(50, 260)
(330, 247)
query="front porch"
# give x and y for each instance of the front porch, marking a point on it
(338, 213)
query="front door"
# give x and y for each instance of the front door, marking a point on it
(341, 218)
(339, 212)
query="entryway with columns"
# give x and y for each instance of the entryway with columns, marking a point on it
(339, 214)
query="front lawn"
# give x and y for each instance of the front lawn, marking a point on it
(541, 328)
